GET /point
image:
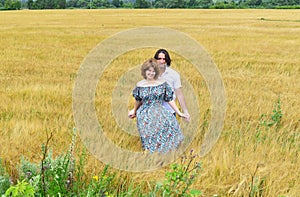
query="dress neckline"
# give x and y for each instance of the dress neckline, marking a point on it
(152, 85)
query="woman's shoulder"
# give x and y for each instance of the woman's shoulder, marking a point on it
(161, 80)
(145, 83)
(141, 83)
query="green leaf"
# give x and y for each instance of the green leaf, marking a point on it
(195, 192)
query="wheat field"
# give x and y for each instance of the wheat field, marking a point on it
(256, 51)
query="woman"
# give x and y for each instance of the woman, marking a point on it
(157, 126)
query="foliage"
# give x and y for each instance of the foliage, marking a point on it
(224, 5)
(20, 189)
(62, 176)
(275, 118)
(142, 4)
(257, 185)
(4, 179)
(179, 179)
(94, 4)
(12, 5)
(268, 122)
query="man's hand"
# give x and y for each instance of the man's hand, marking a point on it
(180, 97)
(187, 116)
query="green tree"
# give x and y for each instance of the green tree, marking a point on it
(72, 4)
(176, 4)
(12, 5)
(160, 4)
(39, 4)
(287, 2)
(49, 4)
(254, 3)
(142, 4)
(100, 4)
(30, 4)
(205, 3)
(117, 3)
(84, 4)
(192, 3)
(60, 4)
(2, 2)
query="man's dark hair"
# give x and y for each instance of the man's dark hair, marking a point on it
(167, 56)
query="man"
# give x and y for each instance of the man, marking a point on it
(173, 78)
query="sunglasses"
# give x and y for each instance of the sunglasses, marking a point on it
(161, 58)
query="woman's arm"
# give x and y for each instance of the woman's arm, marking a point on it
(132, 113)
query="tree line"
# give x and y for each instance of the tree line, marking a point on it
(187, 4)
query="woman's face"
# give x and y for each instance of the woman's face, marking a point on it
(150, 73)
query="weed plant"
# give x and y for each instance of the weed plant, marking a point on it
(62, 176)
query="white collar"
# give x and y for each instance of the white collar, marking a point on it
(166, 71)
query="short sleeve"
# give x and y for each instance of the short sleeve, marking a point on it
(136, 94)
(168, 93)
(177, 81)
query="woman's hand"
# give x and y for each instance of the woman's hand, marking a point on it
(131, 114)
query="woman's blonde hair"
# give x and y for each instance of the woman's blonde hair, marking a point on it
(152, 62)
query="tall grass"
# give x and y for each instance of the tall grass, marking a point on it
(41, 52)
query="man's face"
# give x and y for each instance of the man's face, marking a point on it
(161, 60)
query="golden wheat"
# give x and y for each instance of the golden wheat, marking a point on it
(256, 51)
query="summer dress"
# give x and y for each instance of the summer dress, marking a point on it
(157, 126)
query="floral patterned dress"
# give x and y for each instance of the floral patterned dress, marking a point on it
(157, 126)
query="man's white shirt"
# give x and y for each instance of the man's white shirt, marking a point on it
(173, 79)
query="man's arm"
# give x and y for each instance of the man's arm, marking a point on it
(174, 106)
(182, 103)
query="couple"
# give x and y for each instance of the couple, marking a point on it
(155, 106)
